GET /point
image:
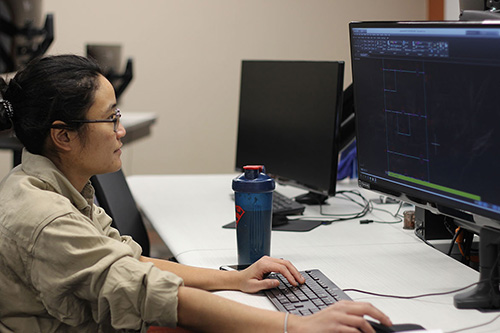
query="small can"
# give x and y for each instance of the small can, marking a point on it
(409, 219)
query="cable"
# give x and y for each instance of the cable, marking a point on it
(345, 195)
(415, 296)
(395, 215)
(341, 217)
(399, 208)
(371, 208)
(475, 326)
(449, 224)
(457, 233)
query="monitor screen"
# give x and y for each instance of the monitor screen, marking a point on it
(289, 121)
(428, 115)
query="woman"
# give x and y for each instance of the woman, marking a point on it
(63, 268)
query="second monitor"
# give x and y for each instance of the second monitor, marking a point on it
(289, 121)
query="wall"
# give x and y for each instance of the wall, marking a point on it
(451, 9)
(187, 57)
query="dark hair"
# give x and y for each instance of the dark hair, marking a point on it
(50, 88)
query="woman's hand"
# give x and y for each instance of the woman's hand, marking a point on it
(253, 278)
(343, 316)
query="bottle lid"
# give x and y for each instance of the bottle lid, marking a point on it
(253, 180)
(254, 167)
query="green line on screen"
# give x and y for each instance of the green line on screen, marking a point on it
(435, 186)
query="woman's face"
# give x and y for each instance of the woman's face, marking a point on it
(100, 149)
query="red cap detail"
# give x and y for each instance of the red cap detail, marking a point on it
(253, 167)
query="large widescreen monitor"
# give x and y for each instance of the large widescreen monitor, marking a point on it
(289, 120)
(428, 126)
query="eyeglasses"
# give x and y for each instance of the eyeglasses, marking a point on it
(114, 118)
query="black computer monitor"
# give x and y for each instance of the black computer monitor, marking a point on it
(289, 121)
(428, 126)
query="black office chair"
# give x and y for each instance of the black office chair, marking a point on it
(114, 196)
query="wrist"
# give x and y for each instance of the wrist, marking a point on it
(292, 324)
(234, 280)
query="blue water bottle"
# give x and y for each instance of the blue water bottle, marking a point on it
(253, 197)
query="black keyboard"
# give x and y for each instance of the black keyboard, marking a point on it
(283, 205)
(316, 293)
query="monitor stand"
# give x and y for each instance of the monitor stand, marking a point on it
(486, 294)
(311, 198)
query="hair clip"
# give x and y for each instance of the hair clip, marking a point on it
(8, 108)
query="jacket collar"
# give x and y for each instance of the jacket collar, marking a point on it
(43, 168)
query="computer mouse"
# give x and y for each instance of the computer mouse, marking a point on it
(379, 328)
(279, 220)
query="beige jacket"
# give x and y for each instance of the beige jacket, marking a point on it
(63, 268)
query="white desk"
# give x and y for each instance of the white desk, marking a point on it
(188, 212)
